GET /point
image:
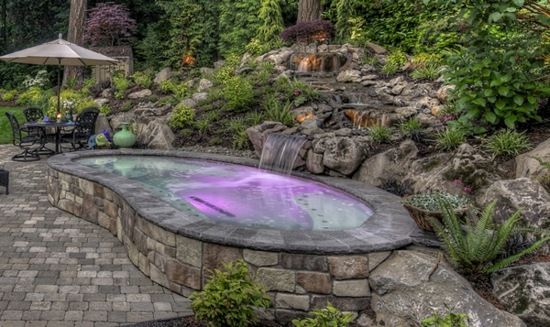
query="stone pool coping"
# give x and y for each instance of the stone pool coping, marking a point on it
(389, 228)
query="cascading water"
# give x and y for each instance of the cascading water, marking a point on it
(280, 151)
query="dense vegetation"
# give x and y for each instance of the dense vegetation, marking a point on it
(494, 51)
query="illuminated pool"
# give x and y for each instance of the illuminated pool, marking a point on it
(236, 194)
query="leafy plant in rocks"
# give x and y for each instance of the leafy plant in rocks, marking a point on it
(230, 297)
(142, 79)
(508, 142)
(182, 116)
(475, 242)
(450, 138)
(328, 316)
(276, 110)
(380, 134)
(394, 62)
(122, 84)
(411, 128)
(451, 319)
(237, 94)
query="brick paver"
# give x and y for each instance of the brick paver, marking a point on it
(58, 270)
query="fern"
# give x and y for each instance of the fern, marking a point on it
(475, 246)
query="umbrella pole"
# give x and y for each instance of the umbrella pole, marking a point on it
(58, 87)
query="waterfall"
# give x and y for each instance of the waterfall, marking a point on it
(280, 151)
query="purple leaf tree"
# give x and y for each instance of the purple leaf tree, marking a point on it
(109, 24)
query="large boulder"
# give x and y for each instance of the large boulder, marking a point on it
(155, 135)
(391, 164)
(409, 286)
(529, 166)
(525, 291)
(343, 154)
(524, 193)
(465, 166)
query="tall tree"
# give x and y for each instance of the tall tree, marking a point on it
(77, 17)
(309, 10)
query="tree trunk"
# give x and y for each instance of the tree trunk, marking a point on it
(76, 35)
(3, 34)
(309, 10)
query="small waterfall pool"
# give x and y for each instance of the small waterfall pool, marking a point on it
(239, 195)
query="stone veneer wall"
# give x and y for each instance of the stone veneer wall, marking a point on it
(297, 283)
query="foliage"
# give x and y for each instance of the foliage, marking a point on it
(34, 96)
(9, 95)
(238, 23)
(411, 128)
(451, 319)
(450, 138)
(328, 316)
(394, 186)
(430, 201)
(109, 24)
(142, 79)
(426, 66)
(182, 116)
(305, 32)
(240, 137)
(348, 25)
(475, 246)
(5, 127)
(122, 84)
(105, 109)
(230, 297)
(41, 80)
(227, 71)
(394, 62)
(126, 106)
(275, 110)
(380, 133)
(271, 22)
(508, 142)
(238, 94)
(498, 72)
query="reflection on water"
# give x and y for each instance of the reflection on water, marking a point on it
(238, 194)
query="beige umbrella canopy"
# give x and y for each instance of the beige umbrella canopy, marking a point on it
(61, 53)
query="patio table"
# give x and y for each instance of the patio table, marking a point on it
(58, 127)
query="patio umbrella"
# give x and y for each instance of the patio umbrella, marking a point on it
(60, 53)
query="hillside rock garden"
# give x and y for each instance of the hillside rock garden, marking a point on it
(388, 131)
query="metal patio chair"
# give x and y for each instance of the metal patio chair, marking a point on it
(30, 143)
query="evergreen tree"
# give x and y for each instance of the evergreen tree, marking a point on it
(272, 21)
(238, 25)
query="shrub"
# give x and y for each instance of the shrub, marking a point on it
(237, 94)
(122, 84)
(9, 95)
(142, 80)
(507, 142)
(35, 96)
(182, 116)
(411, 128)
(40, 80)
(326, 317)
(394, 62)
(230, 297)
(305, 32)
(475, 246)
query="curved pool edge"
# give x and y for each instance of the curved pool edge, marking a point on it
(389, 228)
(301, 270)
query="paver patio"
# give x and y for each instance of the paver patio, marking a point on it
(59, 270)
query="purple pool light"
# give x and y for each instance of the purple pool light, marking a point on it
(239, 195)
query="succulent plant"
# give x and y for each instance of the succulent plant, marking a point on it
(430, 201)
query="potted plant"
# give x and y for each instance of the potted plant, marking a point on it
(423, 205)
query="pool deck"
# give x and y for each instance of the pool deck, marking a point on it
(57, 270)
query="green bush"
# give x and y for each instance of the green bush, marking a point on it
(394, 62)
(9, 95)
(182, 116)
(142, 79)
(122, 84)
(126, 106)
(230, 297)
(475, 245)
(326, 317)
(33, 96)
(275, 110)
(411, 128)
(237, 94)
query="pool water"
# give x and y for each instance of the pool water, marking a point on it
(240, 195)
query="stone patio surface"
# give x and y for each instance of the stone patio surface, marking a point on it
(57, 270)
